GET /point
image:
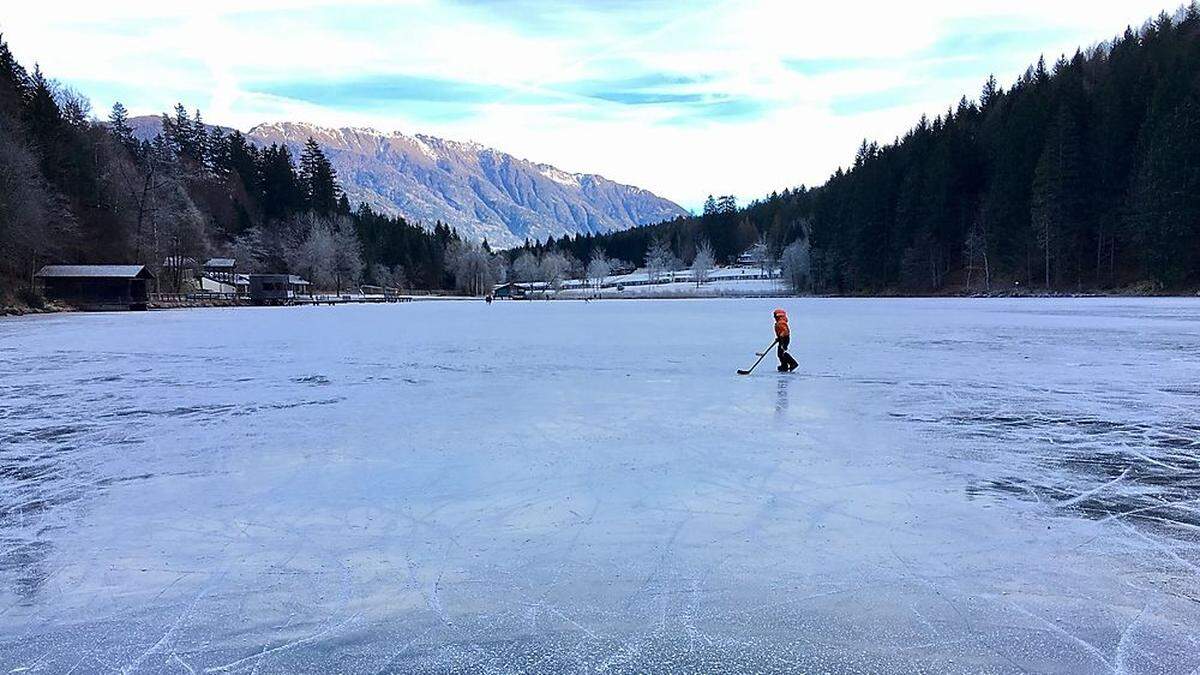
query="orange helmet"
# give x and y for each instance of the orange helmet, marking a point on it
(780, 313)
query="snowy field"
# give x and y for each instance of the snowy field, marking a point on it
(946, 486)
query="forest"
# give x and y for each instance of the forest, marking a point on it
(74, 189)
(1083, 175)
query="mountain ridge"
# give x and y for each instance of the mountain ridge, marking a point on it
(483, 192)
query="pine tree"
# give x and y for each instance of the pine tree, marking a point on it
(198, 140)
(318, 179)
(118, 125)
(991, 92)
(281, 191)
(1164, 214)
(178, 132)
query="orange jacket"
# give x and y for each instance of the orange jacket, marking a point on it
(781, 324)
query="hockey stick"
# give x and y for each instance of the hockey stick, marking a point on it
(761, 356)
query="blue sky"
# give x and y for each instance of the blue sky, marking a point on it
(683, 98)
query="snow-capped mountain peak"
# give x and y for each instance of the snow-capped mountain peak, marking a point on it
(480, 191)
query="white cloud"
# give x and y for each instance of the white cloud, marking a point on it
(213, 54)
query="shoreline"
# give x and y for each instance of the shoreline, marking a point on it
(19, 310)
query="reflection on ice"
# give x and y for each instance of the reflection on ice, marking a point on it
(947, 485)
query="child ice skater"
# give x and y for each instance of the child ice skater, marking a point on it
(783, 337)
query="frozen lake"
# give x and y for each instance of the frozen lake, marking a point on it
(946, 485)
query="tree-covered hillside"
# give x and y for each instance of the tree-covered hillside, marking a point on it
(77, 190)
(1085, 174)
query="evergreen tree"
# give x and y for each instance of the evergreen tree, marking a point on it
(318, 180)
(281, 191)
(118, 125)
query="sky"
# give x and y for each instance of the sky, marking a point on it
(684, 98)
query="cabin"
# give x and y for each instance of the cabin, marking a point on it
(277, 289)
(220, 269)
(97, 287)
(755, 255)
(510, 291)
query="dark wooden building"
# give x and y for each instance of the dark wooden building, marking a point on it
(277, 289)
(97, 286)
(510, 291)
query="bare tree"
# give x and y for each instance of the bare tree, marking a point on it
(76, 108)
(703, 263)
(975, 251)
(33, 221)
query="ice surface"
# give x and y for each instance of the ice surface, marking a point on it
(948, 486)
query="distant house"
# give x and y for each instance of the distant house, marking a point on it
(510, 291)
(622, 268)
(277, 289)
(755, 255)
(97, 286)
(220, 269)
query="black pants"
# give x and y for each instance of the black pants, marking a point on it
(786, 362)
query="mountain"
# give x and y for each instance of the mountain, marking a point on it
(478, 190)
(482, 192)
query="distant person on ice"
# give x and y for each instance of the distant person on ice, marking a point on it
(783, 336)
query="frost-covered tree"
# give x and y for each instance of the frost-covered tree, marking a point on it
(703, 263)
(177, 233)
(659, 259)
(766, 256)
(598, 268)
(347, 253)
(380, 275)
(554, 268)
(476, 271)
(250, 251)
(526, 267)
(312, 250)
(797, 265)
